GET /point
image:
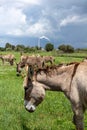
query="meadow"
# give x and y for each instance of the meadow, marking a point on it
(54, 113)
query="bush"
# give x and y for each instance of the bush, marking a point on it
(66, 48)
(49, 47)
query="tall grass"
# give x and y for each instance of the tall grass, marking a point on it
(54, 113)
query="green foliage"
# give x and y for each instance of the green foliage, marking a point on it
(8, 49)
(19, 48)
(49, 47)
(8, 45)
(66, 48)
(2, 49)
(81, 50)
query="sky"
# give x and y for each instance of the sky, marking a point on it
(37, 22)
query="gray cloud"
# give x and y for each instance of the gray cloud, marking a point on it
(60, 20)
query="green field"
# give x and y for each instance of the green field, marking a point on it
(54, 113)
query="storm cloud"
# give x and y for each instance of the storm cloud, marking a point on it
(62, 21)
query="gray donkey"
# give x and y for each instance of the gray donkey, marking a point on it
(70, 79)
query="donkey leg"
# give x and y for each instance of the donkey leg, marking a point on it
(3, 61)
(78, 121)
(78, 118)
(11, 62)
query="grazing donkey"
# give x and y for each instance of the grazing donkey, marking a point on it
(70, 79)
(32, 60)
(8, 58)
(19, 67)
(39, 61)
(48, 59)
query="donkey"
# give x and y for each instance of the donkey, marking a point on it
(34, 61)
(70, 79)
(8, 58)
(19, 67)
(25, 57)
(48, 59)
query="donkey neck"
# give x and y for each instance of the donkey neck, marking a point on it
(59, 80)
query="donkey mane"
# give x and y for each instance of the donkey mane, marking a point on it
(50, 70)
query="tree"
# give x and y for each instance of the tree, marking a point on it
(70, 49)
(49, 47)
(19, 48)
(62, 47)
(8, 45)
(66, 48)
(13, 47)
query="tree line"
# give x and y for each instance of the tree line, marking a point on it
(48, 47)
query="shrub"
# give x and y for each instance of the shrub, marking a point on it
(49, 47)
(66, 48)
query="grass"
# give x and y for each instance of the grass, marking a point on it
(54, 113)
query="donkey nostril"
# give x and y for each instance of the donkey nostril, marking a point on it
(30, 109)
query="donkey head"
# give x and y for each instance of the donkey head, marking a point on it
(19, 67)
(34, 92)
